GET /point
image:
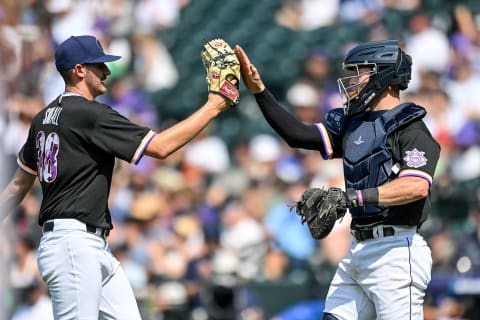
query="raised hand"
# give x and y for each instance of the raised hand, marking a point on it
(250, 74)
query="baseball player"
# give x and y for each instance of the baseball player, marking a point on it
(389, 160)
(71, 147)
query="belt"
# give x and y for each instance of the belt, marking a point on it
(377, 232)
(77, 225)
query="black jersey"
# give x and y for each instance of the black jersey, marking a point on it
(71, 146)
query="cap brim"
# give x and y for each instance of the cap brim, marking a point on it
(105, 58)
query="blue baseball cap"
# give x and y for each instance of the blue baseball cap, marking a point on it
(80, 50)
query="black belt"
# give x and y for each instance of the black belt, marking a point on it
(366, 234)
(50, 226)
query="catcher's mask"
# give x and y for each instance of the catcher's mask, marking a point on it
(374, 66)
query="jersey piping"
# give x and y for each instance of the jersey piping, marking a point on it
(26, 168)
(328, 152)
(142, 146)
(416, 173)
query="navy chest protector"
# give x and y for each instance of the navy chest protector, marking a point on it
(367, 160)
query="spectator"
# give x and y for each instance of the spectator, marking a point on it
(23, 270)
(286, 232)
(466, 111)
(422, 34)
(35, 303)
(245, 237)
(318, 68)
(305, 15)
(304, 97)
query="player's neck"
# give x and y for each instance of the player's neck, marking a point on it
(388, 100)
(76, 89)
(386, 104)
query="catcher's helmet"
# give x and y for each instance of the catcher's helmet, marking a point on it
(387, 65)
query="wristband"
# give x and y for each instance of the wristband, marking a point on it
(369, 196)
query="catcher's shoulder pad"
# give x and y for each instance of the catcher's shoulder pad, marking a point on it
(405, 113)
(335, 121)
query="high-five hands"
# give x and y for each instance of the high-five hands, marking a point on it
(250, 74)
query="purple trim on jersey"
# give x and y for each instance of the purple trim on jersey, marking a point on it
(328, 152)
(142, 146)
(416, 173)
(26, 168)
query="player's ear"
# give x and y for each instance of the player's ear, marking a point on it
(80, 70)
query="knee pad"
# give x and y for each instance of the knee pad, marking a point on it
(329, 316)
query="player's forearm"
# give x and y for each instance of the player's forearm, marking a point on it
(295, 133)
(403, 190)
(170, 140)
(397, 192)
(14, 192)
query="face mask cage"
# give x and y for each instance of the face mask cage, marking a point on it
(351, 85)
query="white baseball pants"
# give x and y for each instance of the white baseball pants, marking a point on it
(382, 278)
(85, 281)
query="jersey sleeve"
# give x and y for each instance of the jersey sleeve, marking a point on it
(27, 159)
(419, 152)
(332, 142)
(292, 130)
(117, 135)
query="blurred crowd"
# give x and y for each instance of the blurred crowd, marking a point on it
(209, 232)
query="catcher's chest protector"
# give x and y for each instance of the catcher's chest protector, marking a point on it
(367, 162)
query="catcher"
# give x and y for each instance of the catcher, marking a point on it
(389, 160)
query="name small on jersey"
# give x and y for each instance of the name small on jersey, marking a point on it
(52, 115)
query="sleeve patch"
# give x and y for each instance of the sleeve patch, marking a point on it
(415, 158)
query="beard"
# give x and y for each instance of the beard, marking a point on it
(96, 84)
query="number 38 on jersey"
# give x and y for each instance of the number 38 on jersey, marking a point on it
(47, 152)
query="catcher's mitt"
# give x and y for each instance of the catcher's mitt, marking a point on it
(222, 66)
(320, 208)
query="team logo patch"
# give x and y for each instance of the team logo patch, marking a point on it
(415, 158)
